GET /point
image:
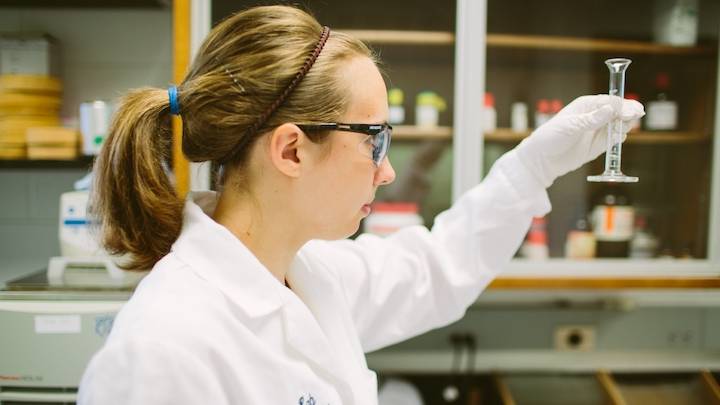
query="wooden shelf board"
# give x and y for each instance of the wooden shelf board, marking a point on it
(398, 37)
(82, 162)
(590, 44)
(667, 137)
(389, 37)
(604, 283)
(411, 132)
(642, 137)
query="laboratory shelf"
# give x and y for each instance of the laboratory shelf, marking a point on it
(591, 44)
(642, 137)
(608, 274)
(411, 132)
(542, 361)
(577, 282)
(83, 162)
(85, 4)
(397, 37)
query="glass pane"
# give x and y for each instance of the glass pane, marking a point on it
(545, 54)
(415, 44)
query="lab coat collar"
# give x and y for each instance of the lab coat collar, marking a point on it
(216, 255)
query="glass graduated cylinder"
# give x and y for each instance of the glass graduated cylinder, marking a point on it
(613, 153)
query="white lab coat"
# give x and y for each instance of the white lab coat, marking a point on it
(211, 325)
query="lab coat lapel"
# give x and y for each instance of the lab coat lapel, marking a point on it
(305, 337)
(325, 344)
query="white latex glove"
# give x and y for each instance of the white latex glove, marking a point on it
(576, 135)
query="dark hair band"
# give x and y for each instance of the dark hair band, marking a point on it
(283, 96)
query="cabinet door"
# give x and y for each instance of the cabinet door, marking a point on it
(555, 51)
(414, 41)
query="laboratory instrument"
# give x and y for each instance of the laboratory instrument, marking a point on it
(53, 321)
(613, 155)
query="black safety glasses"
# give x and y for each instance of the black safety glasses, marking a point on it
(380, 135)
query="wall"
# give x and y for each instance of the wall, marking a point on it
(103, 53)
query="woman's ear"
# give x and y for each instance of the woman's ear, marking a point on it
(286, 144)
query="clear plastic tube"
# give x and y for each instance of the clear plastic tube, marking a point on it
(613, 154)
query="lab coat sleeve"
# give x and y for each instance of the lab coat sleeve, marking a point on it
(416, 280)
(142, 372)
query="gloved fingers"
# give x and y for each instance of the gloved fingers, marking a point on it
(631, 110)
(626, 127)
(625, 109)
(589, 121)
(598, 145)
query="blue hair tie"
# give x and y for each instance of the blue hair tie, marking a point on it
(174, 103)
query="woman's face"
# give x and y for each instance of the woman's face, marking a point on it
(343, 184)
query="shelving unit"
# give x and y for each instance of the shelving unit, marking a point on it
(642, 137)
(541, 42)
(544, 42)
(410, 132)
(394, 37)
(529, 360)
(82, 162)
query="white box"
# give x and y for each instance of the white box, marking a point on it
(31, 54)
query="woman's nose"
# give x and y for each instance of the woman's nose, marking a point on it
(385, 173)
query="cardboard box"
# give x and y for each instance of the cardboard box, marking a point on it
(31, 54)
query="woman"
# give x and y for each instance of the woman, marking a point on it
(253, 295)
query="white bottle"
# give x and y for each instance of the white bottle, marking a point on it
(519, 117)
(662, 114)
(427, 109)
(542, 112)
(396, 109)
(644, 244)
(676, 22)
(389, 217)
(535, 246)
(489, 114)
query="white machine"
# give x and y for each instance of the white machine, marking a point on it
(83, 262)
(53, 321)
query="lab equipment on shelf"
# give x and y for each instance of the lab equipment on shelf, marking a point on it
(489, 121)
(389, 217)
(535, 246)
(519, 117)
(613, 219)
(428, 106)
(662, 112)
(396, 97)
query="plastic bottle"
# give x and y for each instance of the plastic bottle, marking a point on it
(535, 246)
(427, 109)
(580, 242)
(644, 244)
(676, 22)
(396, 97)
(662, 113)
(613, 218)
(542, 112)
(489, 114)
(519, 117)
(555, 106)
(389, 217)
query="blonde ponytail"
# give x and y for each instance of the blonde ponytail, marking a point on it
(139, 212)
